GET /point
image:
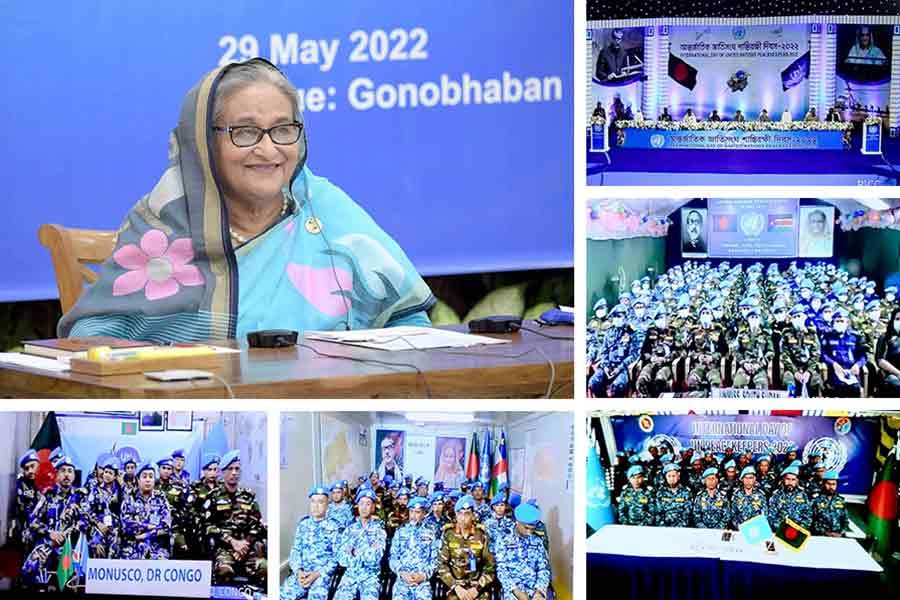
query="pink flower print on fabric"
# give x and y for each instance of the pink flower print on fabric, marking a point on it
(320, 287)
(157, 267)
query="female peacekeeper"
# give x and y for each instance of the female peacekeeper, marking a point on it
(238, 235)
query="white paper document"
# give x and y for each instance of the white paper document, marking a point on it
(403, 338)
(33, 362)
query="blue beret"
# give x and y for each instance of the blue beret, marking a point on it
(403, 492)
(635, 470)
(600, 303)
(129, 461)
(747, 471)
(147, 466)
(365, 493)
(418, 502)
(388, 479)
(337, 485)
(796, 463)
(178, 453)
(792, 470)
(455, 495)
(232, 456)
(55, 453)
(407, 478)
(476, 485)
(210, 459)
(666, 457)
(527, 514)
(64, 460)
(730, 465)
(532, 501)
(497, 499)
(764, 457)
(30, 456)
(421, 482)
(710, 471)
(891, 289)
(467, 502)
(110, 462)
(873, 305)
(798, 310)
(634, 459)
(164, 462)
(437, 497)
(814, 453)
(396, 485)
(831, 475)
(317, 490)
(791, 448)
(514, 500)
(438, 485)
(670, 467)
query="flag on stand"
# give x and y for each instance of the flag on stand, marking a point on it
(484, 461)
(45, 441)
(80, 555)
(500, 465)
(792, 535)
(599, 507)
(64, 570)
(756, 530)
(472, 465)
(883, 507)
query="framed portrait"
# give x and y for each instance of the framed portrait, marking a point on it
(152, 421)
(179, 420)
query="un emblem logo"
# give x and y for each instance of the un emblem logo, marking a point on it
(662, 438)
(657, 140)
(752, 224)
(834, 455)
(739, 33)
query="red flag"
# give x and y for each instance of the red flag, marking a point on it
(45, 441)
(472, 465)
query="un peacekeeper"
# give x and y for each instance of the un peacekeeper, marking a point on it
(673, 500)
(236, 527)
(178, 471)
(790, 456)
(499, 523)
(748, 501)
(872, 327)
(129, 477)
(790, 501)
(339, 510)
(658, 353)
(599, 323)
(437, 518)
(58, 515)
(200, 491)
(695, 477)
(422, 487)
(636, 502)
(27, 496)
(752, 353)
(399, 515)
(523, 565)
(765, 479)
(889, 303)
(814, 486)
(780, 318)
(102, 511)
(712, 509)
(813, 459)
(313, 556)
(706, 351)
(360, 549)
(414, 554)
(801, 356)
(465, 564)
(684, 322)
(657, 476)
(730, 481)
(845, 354)
(482, 505)
(180, 501)
(450, 506)
(830, 509)
(146, 520)
(540, 529)
(610, 377)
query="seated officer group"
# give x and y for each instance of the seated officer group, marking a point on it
(139, 512)
(721, 492)
(389, 538)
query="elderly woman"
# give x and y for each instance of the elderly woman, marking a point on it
(238, 235)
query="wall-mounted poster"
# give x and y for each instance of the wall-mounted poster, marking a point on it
(449, 460)
(389, 446)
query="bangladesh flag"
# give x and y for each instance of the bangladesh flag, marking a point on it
(44, 442)
(792, 535)
(472, 465)
(883, 508)
(65, 569)
(682, 72)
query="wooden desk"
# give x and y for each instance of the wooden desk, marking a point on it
(519, 369)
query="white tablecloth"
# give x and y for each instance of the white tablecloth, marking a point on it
(680, 542)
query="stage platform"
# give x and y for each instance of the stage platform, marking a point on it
(625, 166)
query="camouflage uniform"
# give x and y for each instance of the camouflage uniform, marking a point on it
(341, 513)
(200, 492)
(745, 506)
(236, 516)
(27, 496)
(794, 504)
(706, 357)
(180, 500)
(752, 353)
(150, 517)
(712, 512)
(437, 525)
(801, 351)
(673, 506)
(829, 514)
(483, 511)
(466, 560)
(657, 357)
(314, 549)
(103, 508)
(636, 506)
(360, 550)
(522, 565)
(497, 528)
(60, 510)
(415, 549)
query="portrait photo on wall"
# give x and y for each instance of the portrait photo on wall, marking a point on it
(389, 453)
(449, 454)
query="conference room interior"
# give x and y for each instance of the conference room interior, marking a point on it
(522, 457)
(708, 93)
(83, 475)
(681, 257)
(846, 542)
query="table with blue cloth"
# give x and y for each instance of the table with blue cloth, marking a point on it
(643, 563)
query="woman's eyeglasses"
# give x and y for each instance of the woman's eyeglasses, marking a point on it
(244, 136)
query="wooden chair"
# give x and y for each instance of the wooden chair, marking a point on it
(71, 250)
